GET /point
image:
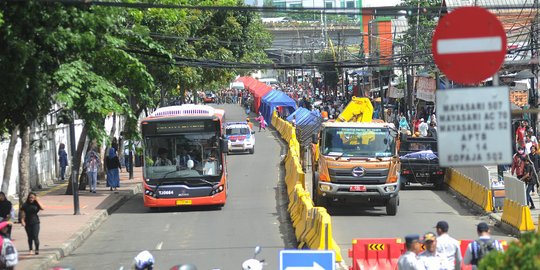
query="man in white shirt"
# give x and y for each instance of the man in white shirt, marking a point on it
(448, 247)
(423, 128)
(430, 258)
(409, 259)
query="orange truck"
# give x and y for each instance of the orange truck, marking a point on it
(355, 160)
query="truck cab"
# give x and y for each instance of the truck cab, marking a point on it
(356, 163)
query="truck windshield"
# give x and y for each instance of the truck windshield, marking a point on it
(358, 142)
(182, 156)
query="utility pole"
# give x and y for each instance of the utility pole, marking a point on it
(533, 96)
(74, 168)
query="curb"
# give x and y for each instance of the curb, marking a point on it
(79, 237)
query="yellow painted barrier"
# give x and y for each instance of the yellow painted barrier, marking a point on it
(323, 237)
(470, 189)
(312, 225)
(517, 215)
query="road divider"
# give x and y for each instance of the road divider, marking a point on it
(312, 225)
(470, 189)
(375, 253)
(517, 215)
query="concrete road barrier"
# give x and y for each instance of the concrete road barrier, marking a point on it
(312, 225)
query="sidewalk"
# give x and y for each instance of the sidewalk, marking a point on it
(61, 231)
(497, 216)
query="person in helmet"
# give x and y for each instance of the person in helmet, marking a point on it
(144, 261)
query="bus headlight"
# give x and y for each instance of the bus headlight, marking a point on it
(217, 190)
(149, 192)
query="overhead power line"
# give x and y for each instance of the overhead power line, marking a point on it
(380, 11)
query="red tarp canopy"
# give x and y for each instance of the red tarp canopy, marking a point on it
(257, 89)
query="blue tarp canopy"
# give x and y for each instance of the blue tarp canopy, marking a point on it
(304, 117)
(274, 99)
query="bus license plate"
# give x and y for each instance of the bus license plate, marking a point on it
(357, 188)
(183, 202)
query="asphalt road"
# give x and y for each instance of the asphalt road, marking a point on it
(255, 214)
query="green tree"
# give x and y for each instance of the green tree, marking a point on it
(329, 71)
(29, 55)
(421, 25)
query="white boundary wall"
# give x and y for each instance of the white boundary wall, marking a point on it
(44, 142)
(479, 174)
(515, 190)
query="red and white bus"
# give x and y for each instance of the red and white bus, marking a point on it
(184, 157)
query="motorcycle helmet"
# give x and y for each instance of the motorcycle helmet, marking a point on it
(144, 261)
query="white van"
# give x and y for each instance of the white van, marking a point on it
(237, 85)
(269, 81)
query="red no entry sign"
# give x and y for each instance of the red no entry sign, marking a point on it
(469, 45)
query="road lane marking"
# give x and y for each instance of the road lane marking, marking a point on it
(159, 245)
(167, 227)
(469, 45)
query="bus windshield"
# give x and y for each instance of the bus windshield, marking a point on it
(183, 156)
(358, 142)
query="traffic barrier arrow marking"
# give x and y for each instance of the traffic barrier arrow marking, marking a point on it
(377, 247)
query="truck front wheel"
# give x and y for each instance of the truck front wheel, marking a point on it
(391, 206)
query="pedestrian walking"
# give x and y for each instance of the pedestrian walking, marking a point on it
(409, 259)
(535, 162)
(423, 128)
(30, 221)
(448, 247)
(9, 256)
(62, 160)
(262, 122)
(520, 135)
(530, 180)
(6, 210)
(518, 165)
(479, 248)
(113, 169)
(430, 258)
(92, 163)
(403, 124)
(432, 130)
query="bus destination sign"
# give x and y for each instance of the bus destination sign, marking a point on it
(185, 126)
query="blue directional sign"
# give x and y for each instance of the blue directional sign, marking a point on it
(307, 260)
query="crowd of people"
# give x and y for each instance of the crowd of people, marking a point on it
(526, 161)
(442, 252)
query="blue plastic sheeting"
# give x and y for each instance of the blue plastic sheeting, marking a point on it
(427, 155)
(304, 117)
(274, 99)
